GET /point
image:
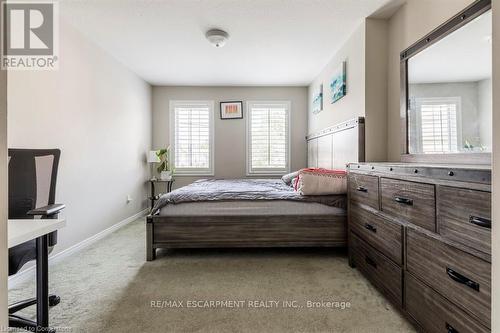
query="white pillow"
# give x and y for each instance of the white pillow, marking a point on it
(321, 182)
(288, 178)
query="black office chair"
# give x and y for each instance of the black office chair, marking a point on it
(32, 190)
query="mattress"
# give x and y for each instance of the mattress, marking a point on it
(249, 208)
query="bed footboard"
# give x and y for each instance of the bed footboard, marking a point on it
(244, 231)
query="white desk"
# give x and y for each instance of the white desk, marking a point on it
(20, 231)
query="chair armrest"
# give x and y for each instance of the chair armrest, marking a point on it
(47, 210)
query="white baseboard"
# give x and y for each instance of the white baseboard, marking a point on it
(29, 272)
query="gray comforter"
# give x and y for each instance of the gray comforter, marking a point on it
(243, 189)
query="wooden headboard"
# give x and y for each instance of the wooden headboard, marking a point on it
(336, 146)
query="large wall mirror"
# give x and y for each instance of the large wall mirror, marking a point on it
(447, 91)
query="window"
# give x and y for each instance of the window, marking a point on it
(439, 118)
(191, 128)
(268, 138)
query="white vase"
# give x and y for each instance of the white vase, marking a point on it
(166, 175)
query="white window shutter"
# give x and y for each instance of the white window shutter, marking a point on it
(268, 137)
(192, 137)
(439, 125)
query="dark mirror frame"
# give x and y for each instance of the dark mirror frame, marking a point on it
(465, 16)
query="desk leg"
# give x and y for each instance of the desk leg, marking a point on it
(42, 283)
(153, 193)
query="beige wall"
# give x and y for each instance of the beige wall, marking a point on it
(3, 199)
(373, 89)
(352, 105)
(365, 52)
(496, 167)
(376, 90)
(230, 135)
(99, 114)
(410, 23)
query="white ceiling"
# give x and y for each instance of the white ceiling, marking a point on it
(272, 42)
(463, 56)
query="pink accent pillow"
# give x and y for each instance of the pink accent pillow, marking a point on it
(319, 181)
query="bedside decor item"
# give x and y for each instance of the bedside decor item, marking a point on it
(338, 85)
(231, 110)
(166, 175)
(164, 167)
(153, 158)
(317, 106)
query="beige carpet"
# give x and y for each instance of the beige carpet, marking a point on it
(109, 287)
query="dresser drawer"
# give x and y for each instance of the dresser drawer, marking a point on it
(464, 216)
(383, 235)
(457, 275)
(409, 201)
(363, 189)
(434, 313)
(381, 271)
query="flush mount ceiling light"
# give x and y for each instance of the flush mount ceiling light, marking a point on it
(217, 37)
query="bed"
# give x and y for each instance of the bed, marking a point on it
(259, 212)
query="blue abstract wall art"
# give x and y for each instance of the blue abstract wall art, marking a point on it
(338, 84)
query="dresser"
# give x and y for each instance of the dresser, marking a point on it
(421, 234)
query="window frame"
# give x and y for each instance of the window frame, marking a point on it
(267, 172)
(210, 171)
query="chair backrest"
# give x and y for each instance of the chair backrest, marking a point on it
(32, 180)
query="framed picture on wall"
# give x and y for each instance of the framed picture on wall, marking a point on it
(338, 84)
(231, 110)
(317, 106)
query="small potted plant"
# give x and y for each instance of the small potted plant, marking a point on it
(164, 168)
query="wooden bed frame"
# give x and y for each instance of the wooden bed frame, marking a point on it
(333, 147)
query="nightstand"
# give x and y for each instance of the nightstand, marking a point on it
(154, 196)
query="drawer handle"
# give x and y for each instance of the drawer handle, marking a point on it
(404, 201)
(480, 221)
(370, 262)
(462, 279)
(361, 189)
(450, 329)
(370, 227)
